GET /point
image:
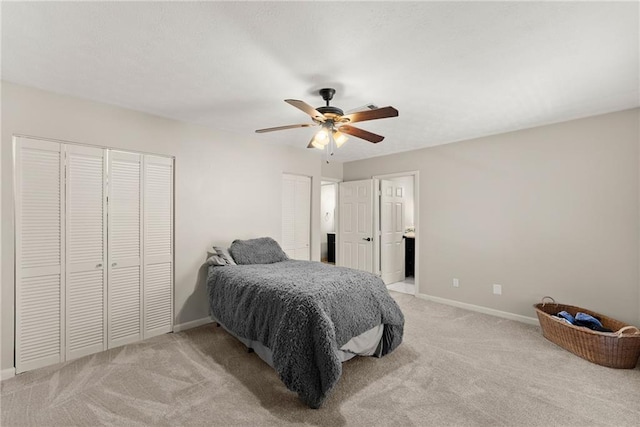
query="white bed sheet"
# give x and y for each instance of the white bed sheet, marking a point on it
(365, 344)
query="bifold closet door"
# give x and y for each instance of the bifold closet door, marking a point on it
(94, 250)
(158, 245)
(40, 253)
(86, 250)
(125, 248)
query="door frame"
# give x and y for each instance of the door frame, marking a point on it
(336, 214)
(416, 221)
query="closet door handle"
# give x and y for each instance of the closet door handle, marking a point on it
(114, 264)
(99, 265)
(368, 239)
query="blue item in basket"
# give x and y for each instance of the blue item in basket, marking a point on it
(566, 316)
(587, 318)
(588, 321)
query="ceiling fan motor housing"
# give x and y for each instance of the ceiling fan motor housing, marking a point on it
(329, 111)
(327, 94)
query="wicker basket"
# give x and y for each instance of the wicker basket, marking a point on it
(620, 349)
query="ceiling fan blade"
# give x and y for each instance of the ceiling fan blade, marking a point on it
(305, 125)
(361, 116)
(303, 106)
(366, 107)
(360, 133)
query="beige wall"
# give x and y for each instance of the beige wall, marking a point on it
(331, 170)
(551, 210)
(227, 186)
(2, 314)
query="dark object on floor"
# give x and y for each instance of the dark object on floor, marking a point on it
(409, 256)
(331, 248)
(620, 349)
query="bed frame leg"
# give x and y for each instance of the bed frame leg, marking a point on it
(249, 350)
(217, 325)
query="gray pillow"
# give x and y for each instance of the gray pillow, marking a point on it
(216, 260)
(263, 250)
(225, 255)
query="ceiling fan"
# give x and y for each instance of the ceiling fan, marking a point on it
(335, 123)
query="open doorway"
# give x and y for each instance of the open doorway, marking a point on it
(397, 224)
(328, 223)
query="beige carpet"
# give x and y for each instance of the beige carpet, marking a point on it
(455, 367)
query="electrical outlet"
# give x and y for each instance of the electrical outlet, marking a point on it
(456, 283)
(497, 289)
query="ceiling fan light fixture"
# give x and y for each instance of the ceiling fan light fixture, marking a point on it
(320, 139)
(339, 138)
(322, 136)
(318, 145)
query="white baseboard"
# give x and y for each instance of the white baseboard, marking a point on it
(193, 324)
(480, 309)
(5, 374)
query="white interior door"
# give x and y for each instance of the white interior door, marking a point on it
(158, 245)
(392, 206)
(288, 240)
(356, 236)
(296, 216)
(40, 253)
(125, 248)
(303, 218)
(86, 250)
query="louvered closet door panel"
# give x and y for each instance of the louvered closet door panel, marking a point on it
(40, 257)
(86, 241)
(125, 248)
(158, 245)
(124, 308)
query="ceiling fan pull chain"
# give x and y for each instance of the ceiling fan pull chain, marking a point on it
(332, 142)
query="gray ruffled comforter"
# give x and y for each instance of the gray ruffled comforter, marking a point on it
(303, 312)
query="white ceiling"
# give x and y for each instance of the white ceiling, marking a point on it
(454, 70)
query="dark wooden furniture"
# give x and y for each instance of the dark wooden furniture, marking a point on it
(409, 255)
(331, 247)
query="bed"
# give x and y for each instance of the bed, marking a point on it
(303, 318)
